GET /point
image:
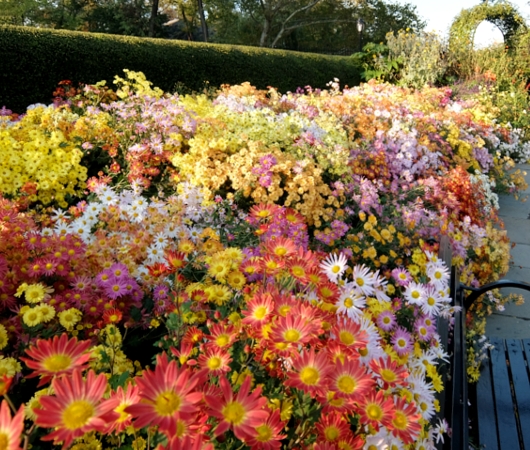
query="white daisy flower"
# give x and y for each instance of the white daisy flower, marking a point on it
(414, 293)
(438, 273)
(334, 266)
(351, 303)
(363, 279)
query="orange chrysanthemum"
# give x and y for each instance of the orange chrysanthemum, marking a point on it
(280, 247)
(56, 356)
(121, 399)
(10, 428)
(268, 433)
(259, 310)
(241, 413)
(76, 408)
(333, 427)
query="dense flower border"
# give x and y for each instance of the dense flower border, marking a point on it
(250, 269)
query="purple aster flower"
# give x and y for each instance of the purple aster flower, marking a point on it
(402, 341)
(116, 287)
(386, 321)
(103, 278)
(160, 291)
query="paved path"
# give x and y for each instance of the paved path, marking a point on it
(514, 321)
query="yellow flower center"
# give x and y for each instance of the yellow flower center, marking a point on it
(298, 271)
(388, 375)
(260, 312)
(346, 337)
(291, 335)
(374, 412)
(284, 310)
(77, 414)
(400, 420)
(431, 301)
(222, 340)
(4, 441)
(56, 363)
(360, 281)
(214, 363)
(309, 376)
(167, 403)
(335, 269)
(348, 303)
(346, 384)
(401, 343)
(234, 412)
(332, 433)
(280, 251)
(120, 409)
(264, 433)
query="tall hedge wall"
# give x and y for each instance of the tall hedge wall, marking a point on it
(34, 60)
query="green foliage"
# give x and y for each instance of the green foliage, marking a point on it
(421, 56)
(502, 14)
(37, 59)
(377, 64)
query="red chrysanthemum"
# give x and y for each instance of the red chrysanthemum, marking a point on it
(259, 310)
(350, 380)
(121, 399)
(76, 407)
(310, 372)
(215, 360)
(390, 373)
(405, 423)
(376, 410)
(241, 413)
(10, 428)
(56, 356)
(333, 427)
(268, 433)
(167, 395)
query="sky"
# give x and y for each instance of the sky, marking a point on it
(440, 14)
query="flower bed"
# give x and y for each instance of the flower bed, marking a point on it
(247, 269)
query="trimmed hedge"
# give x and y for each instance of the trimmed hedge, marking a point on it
(34, 60)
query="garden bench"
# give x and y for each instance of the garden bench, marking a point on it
(500, 401)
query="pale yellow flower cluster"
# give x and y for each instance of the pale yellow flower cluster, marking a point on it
(30, 153)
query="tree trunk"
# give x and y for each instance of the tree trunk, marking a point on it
(265, 32)
(203, 20)
(152, 20)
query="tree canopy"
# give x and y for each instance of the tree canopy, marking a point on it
(323, 26)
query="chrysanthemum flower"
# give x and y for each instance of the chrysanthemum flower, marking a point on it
(414, 293)
(57, 356)
(268, 433)
(289, 332)
(215, 360)
(402, 341)
(333, 427)
(350, 304)
(363, 279)
(310, 372)
(390, 373)
(259, 309)
(36, 293)
(280, 247)
(263, 212)
(438, 273)
(349, 333)
(167, 394)
(121, 399)
(241, 413)
(334, 266)
(386, 320)
(405, 423)
(221, 335)
(11, 428)
(376, 410)
(176, 260)
(349, 379)
(75, 408)
(402, 276)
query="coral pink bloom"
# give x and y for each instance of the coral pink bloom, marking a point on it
(167, 395)
(311, 373)
(57, 356)
(10, 429)
(350, 380)
(268, 433)
(405, 424)
(187, 443)
(376, 410)
(242, 412)
(75, 409)
(120, 400)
